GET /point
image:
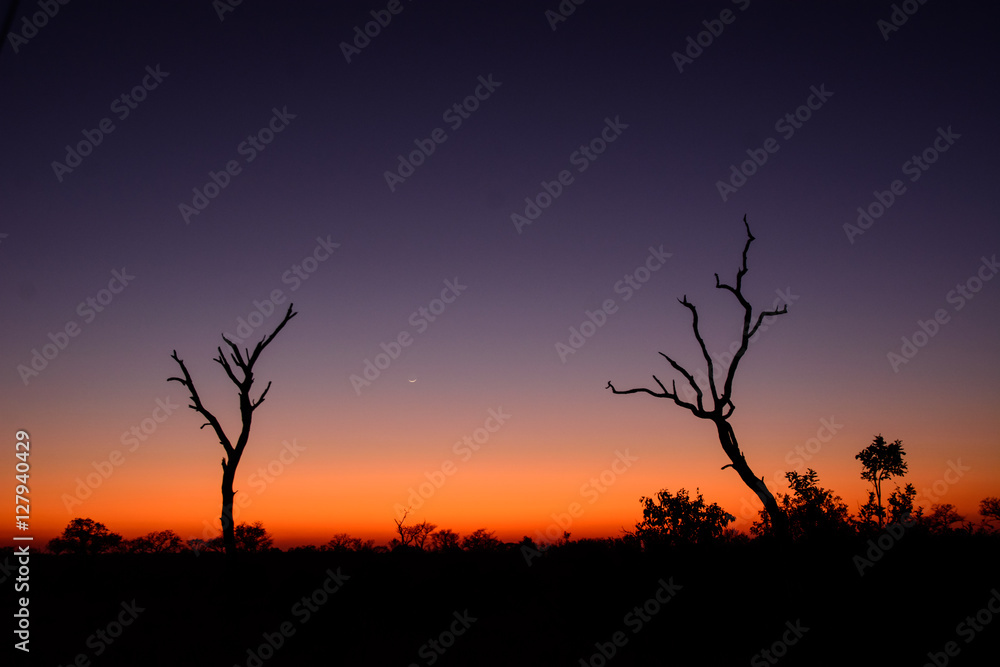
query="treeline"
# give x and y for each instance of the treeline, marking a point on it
(668, 519)
(87, 537)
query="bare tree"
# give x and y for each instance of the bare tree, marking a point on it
(721, 407)
(244, 362)
(415, 535)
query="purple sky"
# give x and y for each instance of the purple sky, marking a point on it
(552, 91)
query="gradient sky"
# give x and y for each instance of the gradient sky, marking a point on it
(358, 454)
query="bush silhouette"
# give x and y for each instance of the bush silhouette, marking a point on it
(677, 519)
(85, 537)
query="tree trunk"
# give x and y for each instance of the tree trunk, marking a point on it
(881, 510)
(228, 532)
(779, 522)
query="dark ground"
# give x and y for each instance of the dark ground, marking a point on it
(733, 602)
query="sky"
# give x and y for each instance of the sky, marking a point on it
(483, 212)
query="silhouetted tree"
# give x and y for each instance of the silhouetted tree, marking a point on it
(721, 407)
(528, 546)
(253, 538)
(197, 544)
(901, 505)
(941, 517)
(244, 362)
(85, 537)
(344, 542)
(812, 511)
(481, 540)
(164, 541)
(990, 508)
(405, 534)
(881, 461)
(415, 535)
(444, 540)
(420, 532)
(675, 519)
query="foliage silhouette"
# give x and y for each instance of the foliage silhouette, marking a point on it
(199, 545)
(990, 508)
(253, 538)
(445, 540)
(244, 362)
(941, 518)
(676, 519)
(722, 406)
(812, 511)
(85, 537)
(163, 541)
(881, 461)
(415, 536)
(901, 505)
(344, 542)
(482, 540)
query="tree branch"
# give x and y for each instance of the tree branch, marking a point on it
(690, 379)
(198, 406)
(748, 331)
(767, 313)
(704, 350)
(723, 404)
(665, 394)
(264, 343)
(221, 360)
(253, 406)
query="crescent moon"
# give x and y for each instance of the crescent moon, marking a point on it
(413, 380)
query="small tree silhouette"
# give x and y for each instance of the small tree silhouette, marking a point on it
(481, 540)
(214, 545)
(415, 535)
(253, 538)
(344, 542)
(722, 404)
(675, 519)
(444, 540)
(990, 509)
(812, 511)
(421, 532)
(881, 461)
(941, 517)
(85, 537)
(244, 362)
(901, 505)
(164, 541)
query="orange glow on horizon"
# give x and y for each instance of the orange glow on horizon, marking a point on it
(309, 501)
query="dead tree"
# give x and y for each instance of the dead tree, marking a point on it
(243, 361)
(721, 402)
